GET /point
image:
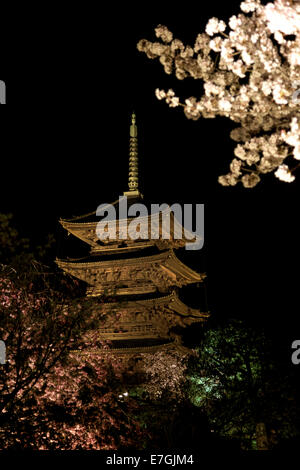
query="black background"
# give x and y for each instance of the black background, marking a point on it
(73, 76)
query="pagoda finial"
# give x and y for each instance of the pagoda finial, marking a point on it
(133, 173)
(133, 128)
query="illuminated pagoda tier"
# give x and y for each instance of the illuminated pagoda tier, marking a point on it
(139, 279)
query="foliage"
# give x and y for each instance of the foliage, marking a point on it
(236, 379)
(164, 409)
(51, 397)
(165, 375)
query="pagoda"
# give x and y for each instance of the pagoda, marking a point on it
(138, 280)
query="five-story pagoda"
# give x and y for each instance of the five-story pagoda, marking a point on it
(137, 278)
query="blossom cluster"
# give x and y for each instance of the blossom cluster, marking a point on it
(250, 72)
(165, 373)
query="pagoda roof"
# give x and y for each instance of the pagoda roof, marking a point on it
(172, 301)
(139, 275)
(146, 320)
(84, 227)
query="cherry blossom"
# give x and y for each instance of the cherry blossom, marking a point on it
(165, 374)
(250, 71)
(55, 392)
(283, 173)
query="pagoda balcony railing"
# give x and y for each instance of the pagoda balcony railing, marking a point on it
(130, 331)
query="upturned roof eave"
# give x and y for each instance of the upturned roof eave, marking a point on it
(171, 299)
(166, 257)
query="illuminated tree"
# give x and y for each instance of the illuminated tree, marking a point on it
(165, 409)
(243, 388)
(165, 375)
(51, 397)
(250, 72)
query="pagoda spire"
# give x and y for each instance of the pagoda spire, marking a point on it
(133, 172)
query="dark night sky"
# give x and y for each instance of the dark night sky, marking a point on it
(73, 78)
